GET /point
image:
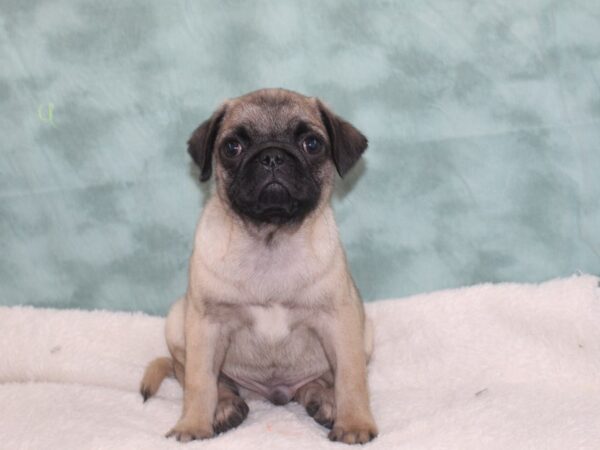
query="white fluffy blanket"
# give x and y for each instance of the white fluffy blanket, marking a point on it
(504, 366)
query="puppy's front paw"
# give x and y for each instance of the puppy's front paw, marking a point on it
(185, 431)
(353, 432)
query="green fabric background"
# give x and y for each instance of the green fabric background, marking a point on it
(483, 120)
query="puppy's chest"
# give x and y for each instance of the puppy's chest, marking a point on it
(271, 273)
(271, 324)
(273, 336)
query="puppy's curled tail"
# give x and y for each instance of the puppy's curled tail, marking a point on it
(155, 373)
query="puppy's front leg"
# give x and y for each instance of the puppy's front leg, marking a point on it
(343, 341)
(204, 353)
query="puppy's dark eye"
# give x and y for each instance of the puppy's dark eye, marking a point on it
(311, 145)
(232, 149)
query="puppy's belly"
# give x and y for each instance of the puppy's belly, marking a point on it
(275, 365)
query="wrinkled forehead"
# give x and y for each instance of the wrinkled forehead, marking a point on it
(272, 116)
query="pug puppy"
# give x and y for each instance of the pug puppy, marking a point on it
(271, 309)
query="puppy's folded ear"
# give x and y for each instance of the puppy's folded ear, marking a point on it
(202, 141)
(347, 143)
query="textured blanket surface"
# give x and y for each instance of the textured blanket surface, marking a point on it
(507, 366)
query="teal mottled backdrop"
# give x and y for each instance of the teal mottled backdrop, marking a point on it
(483, 119)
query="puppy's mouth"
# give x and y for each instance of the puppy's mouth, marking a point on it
(276, 199)
(274, 193)
(275, 202)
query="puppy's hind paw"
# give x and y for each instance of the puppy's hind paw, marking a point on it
(323, 411)
(230, 413)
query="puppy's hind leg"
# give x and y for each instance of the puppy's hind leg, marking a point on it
(231, 409)
(155, 373)
(318, 399)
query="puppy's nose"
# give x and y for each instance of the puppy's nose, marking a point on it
(272, 158)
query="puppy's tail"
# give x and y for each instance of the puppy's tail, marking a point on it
(155, 373)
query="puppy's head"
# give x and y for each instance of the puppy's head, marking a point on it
(275, 153)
